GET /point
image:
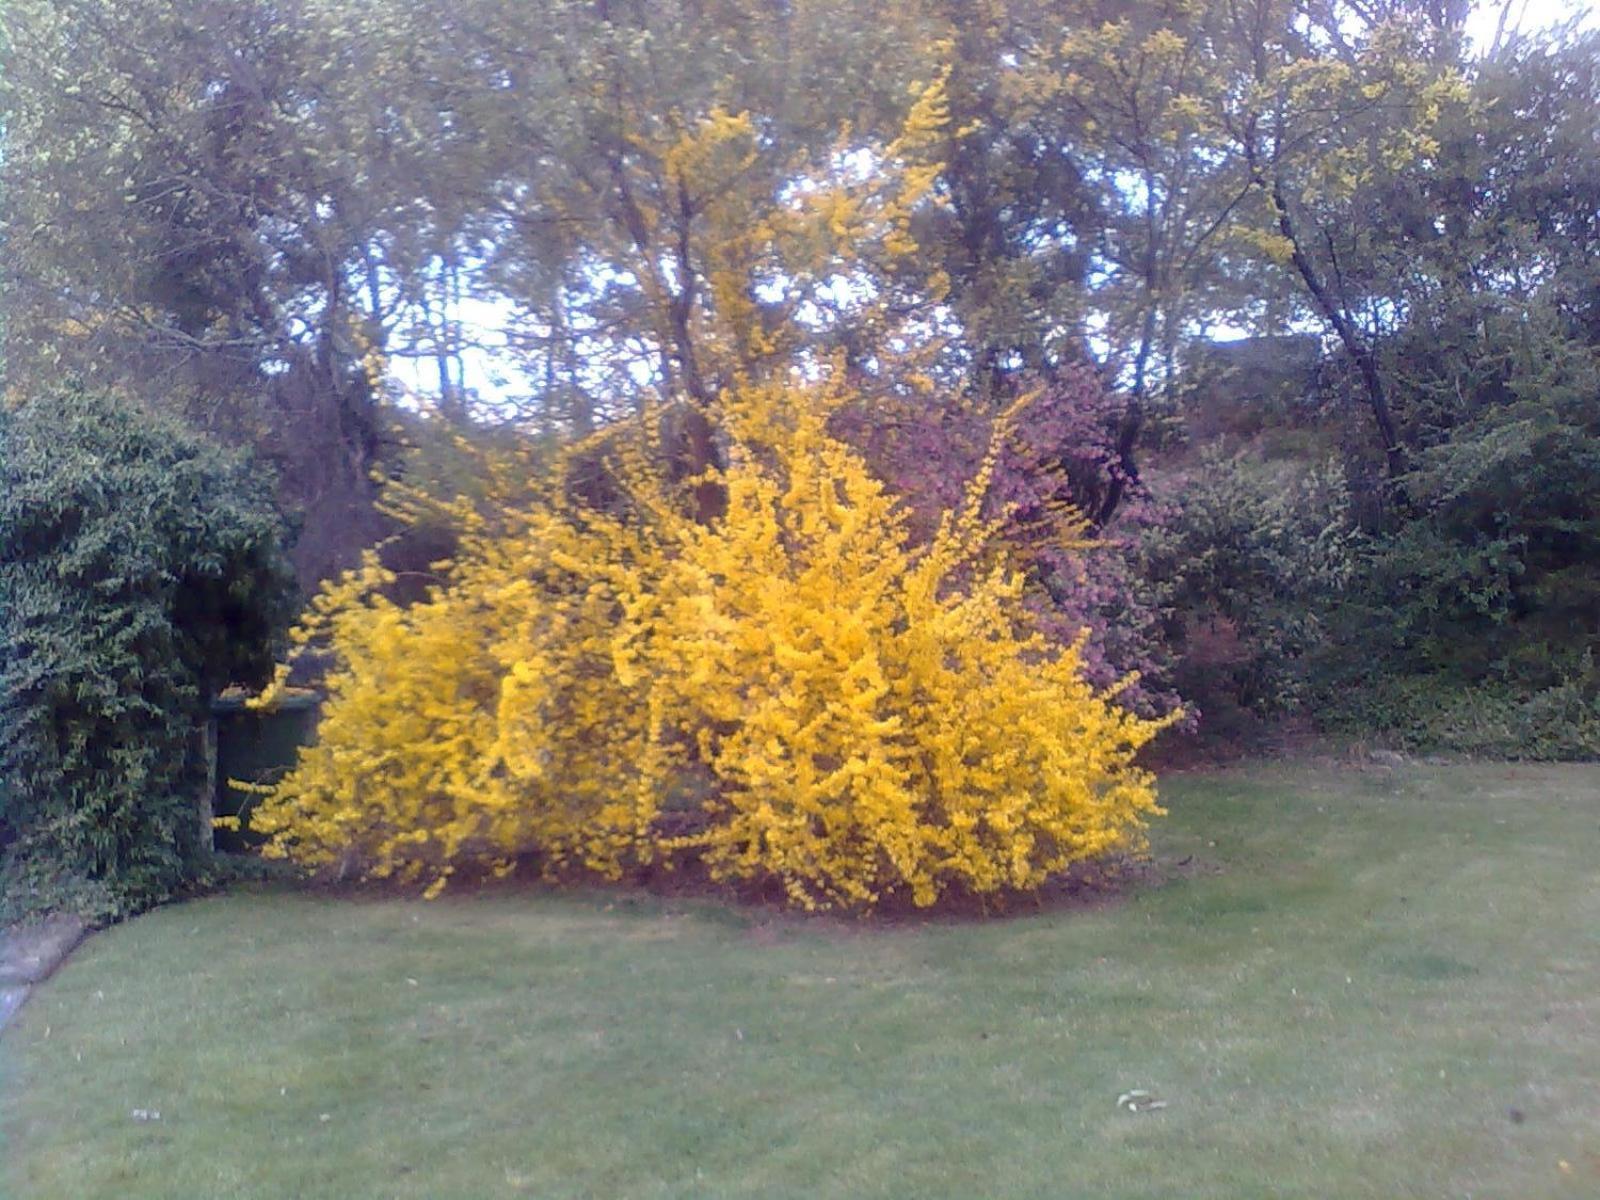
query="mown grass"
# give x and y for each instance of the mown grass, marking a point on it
(1367, 983)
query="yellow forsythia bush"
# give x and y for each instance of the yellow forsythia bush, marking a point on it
(484, 722)
(850, 714)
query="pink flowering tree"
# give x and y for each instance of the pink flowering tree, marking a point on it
(1060, 456)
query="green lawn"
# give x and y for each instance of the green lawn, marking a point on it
(1379, 983)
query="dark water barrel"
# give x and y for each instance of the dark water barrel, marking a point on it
(256, 746)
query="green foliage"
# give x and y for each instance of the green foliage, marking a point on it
(1488, 575)
(141, 570)
(1474, 618)
(1513, 491)
(1251, 563)
(1430, 712)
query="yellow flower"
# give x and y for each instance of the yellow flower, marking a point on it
(854, 716)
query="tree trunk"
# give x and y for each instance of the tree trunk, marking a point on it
(1132, 422)
(1355, 345)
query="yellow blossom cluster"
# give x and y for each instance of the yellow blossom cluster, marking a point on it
(793, 692)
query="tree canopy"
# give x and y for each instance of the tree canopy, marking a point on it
(302, 224)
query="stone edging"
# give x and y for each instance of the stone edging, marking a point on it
(29, 954)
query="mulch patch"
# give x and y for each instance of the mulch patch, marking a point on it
(1082, 886)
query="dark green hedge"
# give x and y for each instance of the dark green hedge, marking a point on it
(141, 570)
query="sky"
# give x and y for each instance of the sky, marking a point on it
(1528, 15)
(494, 375)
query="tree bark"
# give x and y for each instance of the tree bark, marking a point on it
(1355, 345)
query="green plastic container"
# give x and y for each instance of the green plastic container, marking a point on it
(255, 746)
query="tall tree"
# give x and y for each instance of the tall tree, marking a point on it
(1326, 102)
(190, 215)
